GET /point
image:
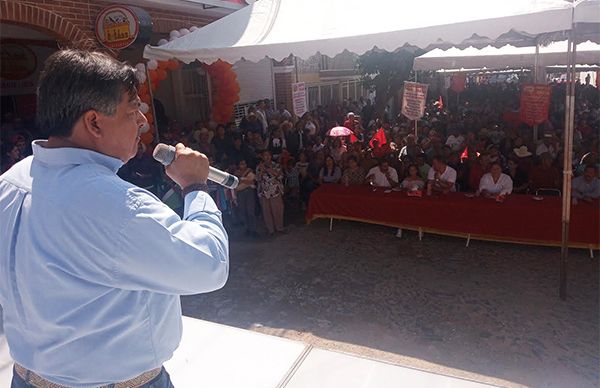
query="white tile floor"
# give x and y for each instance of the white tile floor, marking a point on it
(214, 355)
(326, 369)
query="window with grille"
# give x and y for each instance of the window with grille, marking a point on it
(195, 92)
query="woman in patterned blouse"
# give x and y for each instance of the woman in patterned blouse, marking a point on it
(354, 174)
(270, 191)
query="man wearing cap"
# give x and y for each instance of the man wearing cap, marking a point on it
(91, 266)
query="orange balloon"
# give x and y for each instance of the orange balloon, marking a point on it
(147, 137)
(173, 64)
(163, 65)
(143, 89)
(153, 75)
(149, 117)
(162, 74)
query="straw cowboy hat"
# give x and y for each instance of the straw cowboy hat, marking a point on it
(522, 152)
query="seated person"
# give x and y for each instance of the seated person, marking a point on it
(413, 181)
(330, 173)
(586, 187)
(441, 178)
(518, 176)
(423, 166)
(545, 175)
(354, 174)
(383, 175)
(495, 183)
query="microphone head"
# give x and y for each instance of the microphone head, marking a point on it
(164, 153)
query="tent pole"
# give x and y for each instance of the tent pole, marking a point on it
(151, 93)
(296, 67)
(416, 128)
(535, 81)
(567, 162)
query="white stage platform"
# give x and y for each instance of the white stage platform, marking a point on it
(219, 356)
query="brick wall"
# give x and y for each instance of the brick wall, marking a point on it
(72, 21)
(283, 89)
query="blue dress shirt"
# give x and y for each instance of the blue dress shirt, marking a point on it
(91, 267)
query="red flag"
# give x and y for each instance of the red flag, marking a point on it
(353, 139)
(380, 137)
(440, 103)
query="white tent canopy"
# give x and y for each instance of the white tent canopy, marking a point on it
(278, 28)
(508, 56)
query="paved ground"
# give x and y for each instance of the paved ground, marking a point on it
(489, 312)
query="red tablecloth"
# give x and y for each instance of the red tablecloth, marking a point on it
(519, 219)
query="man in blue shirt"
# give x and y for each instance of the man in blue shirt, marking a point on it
(91, 267)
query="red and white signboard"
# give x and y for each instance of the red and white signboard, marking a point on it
(299, 98)
(117, 26)
(535, 102)
(414, 99)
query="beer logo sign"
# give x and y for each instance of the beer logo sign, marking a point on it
(117, 27)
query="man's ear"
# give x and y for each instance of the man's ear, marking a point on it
(91, 120)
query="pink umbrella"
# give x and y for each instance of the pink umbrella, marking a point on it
(339, 131)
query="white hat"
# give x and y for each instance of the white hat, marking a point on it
(522, 152)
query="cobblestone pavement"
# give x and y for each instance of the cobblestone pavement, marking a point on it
(489, 312)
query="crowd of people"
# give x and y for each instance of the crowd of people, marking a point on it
(479, 146)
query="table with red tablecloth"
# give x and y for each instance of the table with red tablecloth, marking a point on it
(519, 219)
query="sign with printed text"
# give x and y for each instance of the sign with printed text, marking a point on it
(117, 27)
(535, 102)
(299, 98)
(414, 99)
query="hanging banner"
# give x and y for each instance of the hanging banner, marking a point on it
(299, 98)
(535, 102)
(414, 99)
(458, 82)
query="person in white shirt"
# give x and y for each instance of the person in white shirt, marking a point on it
(383, 175)
(550, 145)
(495, 183)
(261, 114)
(455, 141)
(441, 178)
(586, 187)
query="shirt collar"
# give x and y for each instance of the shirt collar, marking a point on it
(70, 156)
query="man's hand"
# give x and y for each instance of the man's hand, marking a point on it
(189, 167)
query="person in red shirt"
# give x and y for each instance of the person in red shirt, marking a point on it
(545, 175)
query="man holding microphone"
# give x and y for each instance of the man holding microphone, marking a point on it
(92, 267)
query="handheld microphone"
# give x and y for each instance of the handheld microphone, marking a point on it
(166, 154)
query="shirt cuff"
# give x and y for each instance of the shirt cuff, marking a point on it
(198, 201)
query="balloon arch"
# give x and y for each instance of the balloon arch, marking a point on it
(225, 90)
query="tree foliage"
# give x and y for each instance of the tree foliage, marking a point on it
(385, 72)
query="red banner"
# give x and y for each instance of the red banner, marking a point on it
(535, 101)
(458, 82)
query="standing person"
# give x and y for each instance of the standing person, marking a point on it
(94, 299)
(270, 192)
(246, 197)
(261, 113)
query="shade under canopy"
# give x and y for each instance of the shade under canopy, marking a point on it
(278, 28)
(508, 56)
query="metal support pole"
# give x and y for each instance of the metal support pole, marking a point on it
(567, 163)
(296, 67)
(151, 93)
(330, 224)
(535, 81)
(416, 121)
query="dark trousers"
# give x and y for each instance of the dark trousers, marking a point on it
(246, 208)
(163, 380)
